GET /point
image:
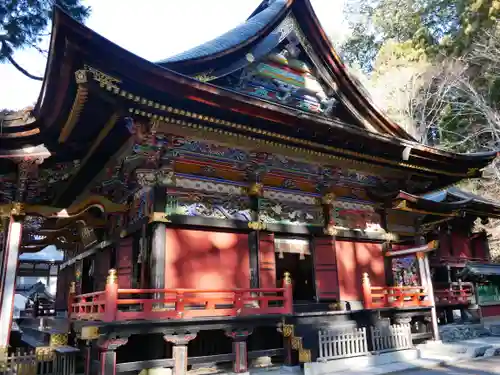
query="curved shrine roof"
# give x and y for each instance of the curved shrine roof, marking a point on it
(91, 85)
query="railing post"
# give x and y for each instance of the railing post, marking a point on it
(287, 293)
(179, 304)
(461, 291)
(71, 297)
(111, 297)
(367, 291)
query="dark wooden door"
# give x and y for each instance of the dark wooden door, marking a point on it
(325, 269)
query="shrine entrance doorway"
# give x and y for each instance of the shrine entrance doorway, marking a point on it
(87, 277)
(293, 255)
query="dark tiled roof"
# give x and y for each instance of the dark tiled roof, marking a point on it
(457, 194)
(232, 38)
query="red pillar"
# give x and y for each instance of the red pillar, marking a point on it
(179, 351)
(71, 298)
(88, 359)
(367, 291)
(240, 351)
(111, 295)
(107, 355)
(8, 279)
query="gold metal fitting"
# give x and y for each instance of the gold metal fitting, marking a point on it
(112, 277)
(286, 278)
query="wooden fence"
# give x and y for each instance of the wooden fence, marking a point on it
(352, 342)
(391, 337)
(342, 343)
(27, 362)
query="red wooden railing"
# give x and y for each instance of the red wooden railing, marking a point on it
(377, 297)
(116, 304)
(455, 293)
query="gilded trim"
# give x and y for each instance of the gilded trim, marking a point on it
(182, 112)
(110, 124)
(76, 110)
(403, 206)
(76, 209)
(159, 217)
(220, 136)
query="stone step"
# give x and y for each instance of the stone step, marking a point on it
(495, 329)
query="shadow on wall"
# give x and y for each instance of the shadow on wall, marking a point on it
(355, 258)
(206, 260)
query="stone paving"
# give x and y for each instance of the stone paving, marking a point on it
(485, 366)
(461, 332)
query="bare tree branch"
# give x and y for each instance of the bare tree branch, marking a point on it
(8, 56)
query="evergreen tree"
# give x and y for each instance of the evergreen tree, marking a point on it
(24, 22)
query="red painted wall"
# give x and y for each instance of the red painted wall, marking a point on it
(461, 245)
(444, 245)
(355, 258)
(124, 263)
(206, 260)
(489, 311)
(479, 247)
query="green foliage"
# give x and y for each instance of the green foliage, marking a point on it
(433, 27)
(23, 22)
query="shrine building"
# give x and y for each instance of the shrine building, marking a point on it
(244, 203)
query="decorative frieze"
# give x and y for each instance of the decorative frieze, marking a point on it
(209, 205)
(209, 186)
(276, 212)
(283, 196)
(351, 215)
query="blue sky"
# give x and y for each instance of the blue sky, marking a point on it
(154, 30)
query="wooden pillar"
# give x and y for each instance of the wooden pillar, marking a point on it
(107, 355)
(87, 356)
(425, 276)
(179, 351)
(8, 276)
(157, 258)
(111, 294)
(240, 351)
(430, 290)
(367, 291)
(255, 191)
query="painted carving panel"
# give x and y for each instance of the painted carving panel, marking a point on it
(142, 205)
(188, 147)
(356, 216)
(280, 212)
(207, 204)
